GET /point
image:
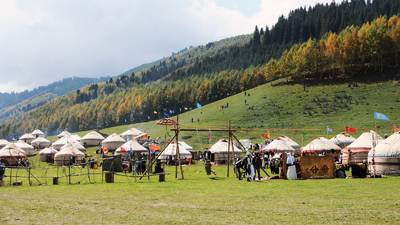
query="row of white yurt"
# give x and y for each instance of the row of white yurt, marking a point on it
(12, 153)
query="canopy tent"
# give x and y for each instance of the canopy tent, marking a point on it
(360, 148)
(220, 151)
(131, 134)
(76, 137)
(12, 153)
(65, 156)
(246, 143)
(113, 142)
(41, 142)
(171, 151)
(28, 149)
(279, 145)
(75, 145)
(342, 140)
(387, 156)
(320, 145)
(125, 149)
(46, 154)
(28, 138)
(63, 141)
(3, 142)
(64, 134)
(38, 133)
(92, 138)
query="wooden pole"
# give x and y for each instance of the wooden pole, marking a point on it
(69, 173)
(229, 145)
(88, 172)
(177, 147)
(10, 176)
(29, 176)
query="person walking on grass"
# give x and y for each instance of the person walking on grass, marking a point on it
(207, 159)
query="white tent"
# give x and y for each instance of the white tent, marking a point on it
(28, 138)
(137, 148)
(75, 145)
(41, 142)
(292, 143)
(3, 142)
(131, 134)
(171, 151)
(113, 142)
(246, 143)
(320, 145)
(278, 145)
(360, 147)
(63, 134)
(12, 153)
(92, 138)
(29, 150)
(38, 133)
(64, 156)
(342, 140)
(46, 154)
(186, 146)
(220, 151)
(63, 141)
(387, 156)
(76, 137)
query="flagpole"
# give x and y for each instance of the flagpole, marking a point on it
(302, 138)
(326, 132)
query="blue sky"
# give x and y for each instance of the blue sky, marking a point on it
(43, 41)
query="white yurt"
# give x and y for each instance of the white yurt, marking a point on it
(125, 149)
(171, 151)
(29, 149)
(63, 134)
(343, 140)
(47, 154)
(186, 146)
(292, 143)
(92, 138)
(360, 148)
(28, 138)
(219, 151)
(3, 142)
(12, 153)
(278, 146)
(113, 142)
(131, 134)
(75, 145)
(63, 141)
(41, 142)
(386, 156)
(319, 146)
(38, 133)
(246, 143)
(63, 157)
(76, 137)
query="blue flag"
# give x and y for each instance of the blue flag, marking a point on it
(166, 114)
(380, 116)
(198, 105)
(328, 130)
(131, 151)
(125, 121)
(171, 111)
(180, 110)
(127, 138)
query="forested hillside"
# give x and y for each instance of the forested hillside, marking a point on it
(352, 52)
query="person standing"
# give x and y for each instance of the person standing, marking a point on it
(249, 166)
(207, 160)
(257, 165)
(2, 169)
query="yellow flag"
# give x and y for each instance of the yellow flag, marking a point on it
(155, 112)
(186, 108)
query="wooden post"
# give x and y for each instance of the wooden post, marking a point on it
(177, 147)
(229, 145)
(29, 177)
(10, 176)
(69, 173)
(88, 172)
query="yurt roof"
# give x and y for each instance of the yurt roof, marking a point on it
(171, 150)
(292, 143)
(12, 150)
(27, 136)
(114, 138)
(70, 151)
(343, 138)
(40, 140)
(279, 145)
(65, 140)
(24, 145)
(132, 131)
(365, 140)
(4, 142)
(64, 134)
(388, 146)
(136, 147)
(48, 151)
(92, 135)
(37, 131)
(222, 146)
(320, 144)
(75, 145)
(76, 137)
(186, 146)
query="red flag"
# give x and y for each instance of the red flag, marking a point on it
(396, 129)
(349, 129)
(105, 150)
(212, 136)
(123, 149)
(266, 136)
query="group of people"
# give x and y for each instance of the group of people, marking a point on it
(23, 162)
(251, 165)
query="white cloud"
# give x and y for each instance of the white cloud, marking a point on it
(45, 41)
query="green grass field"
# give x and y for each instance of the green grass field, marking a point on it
(202, 199)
